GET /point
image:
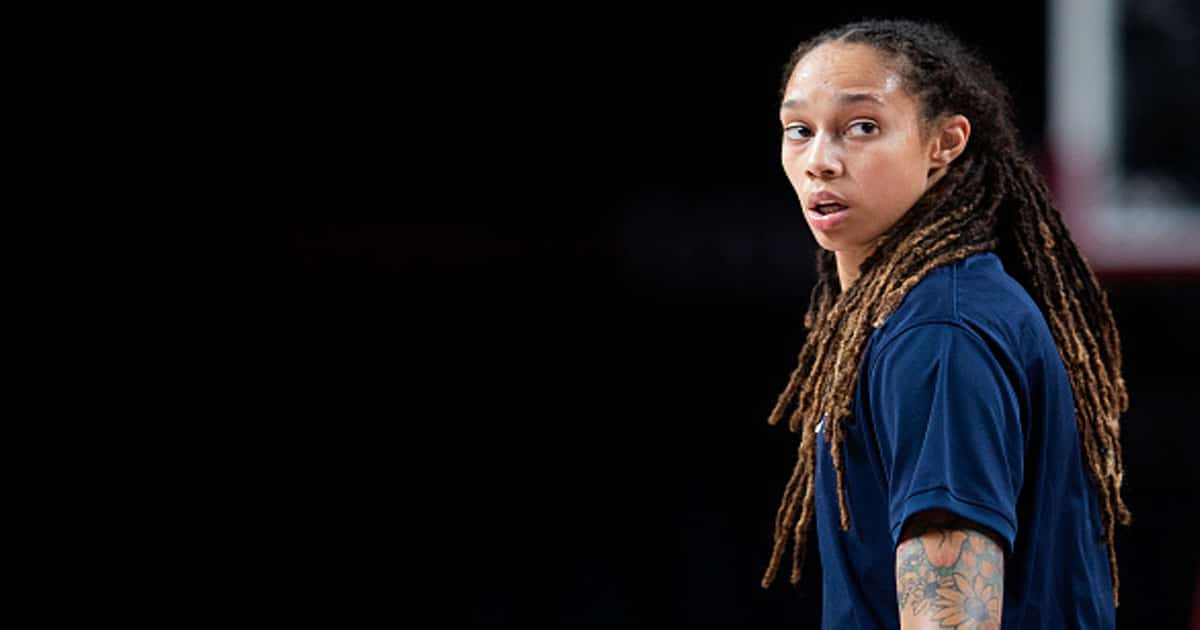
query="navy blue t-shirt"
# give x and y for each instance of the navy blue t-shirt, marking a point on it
(963, 403)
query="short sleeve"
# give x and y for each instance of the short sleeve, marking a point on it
(949, 428)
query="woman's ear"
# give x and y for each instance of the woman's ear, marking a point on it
(949, 140)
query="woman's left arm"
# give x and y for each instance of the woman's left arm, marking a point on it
(949, 573)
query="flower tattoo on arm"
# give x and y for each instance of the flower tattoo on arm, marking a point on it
(949, 573)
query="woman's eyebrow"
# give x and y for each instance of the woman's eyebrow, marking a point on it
(844, 98)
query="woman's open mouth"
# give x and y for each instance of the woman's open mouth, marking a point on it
(829, 208)
(827, 216)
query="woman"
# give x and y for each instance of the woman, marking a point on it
(959, 392)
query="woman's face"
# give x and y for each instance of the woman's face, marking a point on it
(851, 132)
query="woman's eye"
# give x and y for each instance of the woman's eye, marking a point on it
(867, 127)
(797, 133)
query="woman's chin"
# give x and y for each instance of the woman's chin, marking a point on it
(826, 243)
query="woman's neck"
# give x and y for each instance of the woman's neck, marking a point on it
(849, 265)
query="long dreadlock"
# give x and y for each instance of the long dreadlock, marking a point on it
(991, 199)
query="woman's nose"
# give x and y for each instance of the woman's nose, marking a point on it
(823, 158)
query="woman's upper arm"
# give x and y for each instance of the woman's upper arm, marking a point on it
(949, 571)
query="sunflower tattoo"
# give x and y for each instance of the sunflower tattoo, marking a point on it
(950, 570)
(969, 606)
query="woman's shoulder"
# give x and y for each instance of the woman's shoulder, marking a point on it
(975, 293)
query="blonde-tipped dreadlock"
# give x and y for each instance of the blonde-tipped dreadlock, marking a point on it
(990, 199)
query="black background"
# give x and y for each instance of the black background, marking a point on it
(535, 382)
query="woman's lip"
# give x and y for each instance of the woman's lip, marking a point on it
(829, 221)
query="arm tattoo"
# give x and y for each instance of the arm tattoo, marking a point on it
(949, 573)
